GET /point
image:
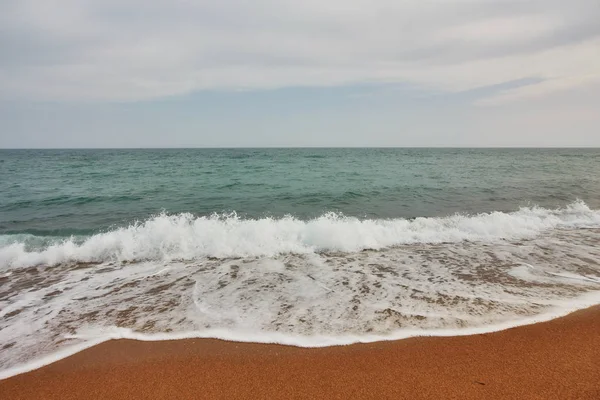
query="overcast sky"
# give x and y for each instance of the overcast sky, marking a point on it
(175, 73)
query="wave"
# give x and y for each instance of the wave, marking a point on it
(186, 237)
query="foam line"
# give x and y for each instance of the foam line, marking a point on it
(92, 338)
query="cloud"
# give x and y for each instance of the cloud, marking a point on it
(545, 88)
(128, 50)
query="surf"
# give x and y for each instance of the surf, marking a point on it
(184, 236)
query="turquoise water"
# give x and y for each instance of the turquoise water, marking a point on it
(306, 247)
(63, 192)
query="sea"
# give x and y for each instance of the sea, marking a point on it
(305, 247)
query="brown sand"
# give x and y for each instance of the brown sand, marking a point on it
(559, 359)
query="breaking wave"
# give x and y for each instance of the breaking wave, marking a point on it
(186, 237)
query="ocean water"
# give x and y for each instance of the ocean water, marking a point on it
(307, 247)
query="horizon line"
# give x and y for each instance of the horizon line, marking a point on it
(297, 147)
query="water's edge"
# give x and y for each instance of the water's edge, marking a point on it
(588, 300)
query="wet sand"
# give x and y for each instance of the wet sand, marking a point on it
(559, 359)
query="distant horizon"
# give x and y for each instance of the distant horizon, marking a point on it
(303, 147)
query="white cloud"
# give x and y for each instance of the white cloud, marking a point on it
(131, 49)
(494, 31)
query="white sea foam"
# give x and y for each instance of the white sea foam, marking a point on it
(185, 237)
(92, 337)
(301, 283)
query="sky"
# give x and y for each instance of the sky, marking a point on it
(266, 73)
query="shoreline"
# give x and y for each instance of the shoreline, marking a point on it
(558, 359)
(586, 301)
